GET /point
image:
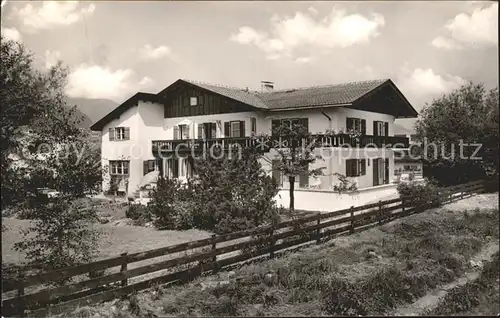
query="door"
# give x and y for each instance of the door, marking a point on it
(375, 172)
(381, 171)
(386, 172)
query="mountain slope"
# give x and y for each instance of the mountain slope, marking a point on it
(92, 109)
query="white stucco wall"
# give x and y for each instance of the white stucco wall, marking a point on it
(147, 123)
(326, 201)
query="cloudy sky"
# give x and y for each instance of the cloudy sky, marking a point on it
(115, 49)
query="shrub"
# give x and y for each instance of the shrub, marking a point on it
(163, 202)
(420, 193)
(232, 193)
(136, 211)
(64, 235)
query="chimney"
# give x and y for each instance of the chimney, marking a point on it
(267, 86)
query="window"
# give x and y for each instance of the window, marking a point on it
(119, 133)
(181, 132)
(355, 167)
(235, 129)
(207, 130)
(149, 166)
(118, 167)
(380, 128)
(193, 101)
(290, 122)
(356, 124)
(253, 122)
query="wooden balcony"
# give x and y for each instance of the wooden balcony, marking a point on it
(263, 144)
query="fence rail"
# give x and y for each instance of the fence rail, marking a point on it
(212, 256)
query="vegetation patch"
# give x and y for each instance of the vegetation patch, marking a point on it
(476, 297)
(368, 273)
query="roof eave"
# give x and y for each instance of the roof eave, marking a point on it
(118, 110)
(308, 107)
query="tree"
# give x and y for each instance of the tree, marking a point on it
(468, 114)
(233, 192)
(35, 116)
(295, 146)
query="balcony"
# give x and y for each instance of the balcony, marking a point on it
(263, 145)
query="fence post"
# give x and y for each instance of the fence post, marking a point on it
(20, 293)
(380, 212)
(214, 258)
(318, 231)
(352, 220)
(271, 242)
(403, 202)
(124, 268)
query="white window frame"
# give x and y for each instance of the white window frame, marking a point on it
(235, 124)
(193, 101)
(381, 128)
(356, 124)
(183, 129)
(119, 133)
(118, 167)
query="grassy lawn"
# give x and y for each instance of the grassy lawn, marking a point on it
(479, 297)
(114, 240)
(369, 273)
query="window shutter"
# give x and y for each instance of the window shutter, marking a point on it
(348, 123)
(176, 132)
(111, 134)
(305, 123)
(363, 126)
(274, 126)
(348, 169)
(253, 122)
(187, 131)
(227, 129)
(242, 128)
(127, 133)
(363, 167)
(375, 128)
(386, 128)
(200, 131)
(145, 167)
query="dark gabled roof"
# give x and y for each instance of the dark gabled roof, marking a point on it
(238, 94)
(330, 95)
(132, 101)
(345, 94)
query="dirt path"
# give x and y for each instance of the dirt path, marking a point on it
(432, 299)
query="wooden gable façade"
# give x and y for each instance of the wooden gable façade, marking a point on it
(177, 100)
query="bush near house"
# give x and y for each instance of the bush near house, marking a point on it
(420, 192)
(226, 195)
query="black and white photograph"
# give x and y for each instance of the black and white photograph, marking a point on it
(249, 158)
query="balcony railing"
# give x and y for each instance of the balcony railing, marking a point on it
(264, 144)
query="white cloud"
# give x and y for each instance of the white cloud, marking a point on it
(480, 28)
(303, 60)
(146, 81)
(312, 10)
(51, 58)
(93, 81)
(147, 52)
(421, 85)
(11, 34)
(338, 29)
(51, 14)
(445, 43)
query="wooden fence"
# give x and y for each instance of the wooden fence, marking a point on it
(43, 294)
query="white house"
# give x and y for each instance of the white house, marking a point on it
(141, 134)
